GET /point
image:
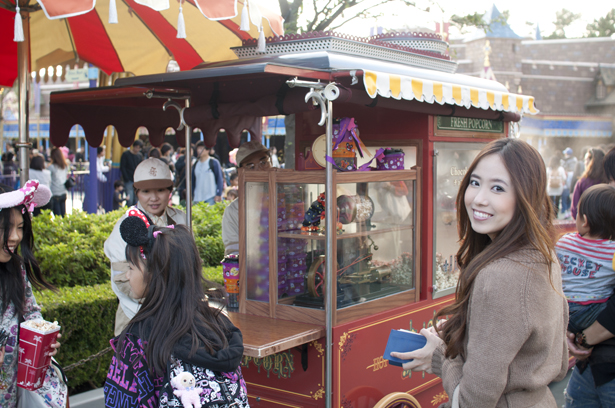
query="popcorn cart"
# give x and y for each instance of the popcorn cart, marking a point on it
(330, 260)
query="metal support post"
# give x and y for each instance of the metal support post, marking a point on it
(188, 157)
(23, 78)
(330, 272)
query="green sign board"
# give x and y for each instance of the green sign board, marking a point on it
(469, 124)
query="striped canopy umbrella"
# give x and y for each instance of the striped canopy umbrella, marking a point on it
(138, 36)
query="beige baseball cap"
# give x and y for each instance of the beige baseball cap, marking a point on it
(248, 149)
(152, 173)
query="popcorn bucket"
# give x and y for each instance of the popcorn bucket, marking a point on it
(34, 349)
(230, 271)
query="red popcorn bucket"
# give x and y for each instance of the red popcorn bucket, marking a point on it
(34, 353)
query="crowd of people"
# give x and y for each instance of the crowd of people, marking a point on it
(568, 176)
(213, 179)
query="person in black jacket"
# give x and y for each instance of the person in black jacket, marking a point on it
(175, 324)
(128, 163)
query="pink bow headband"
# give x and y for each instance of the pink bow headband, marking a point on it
(31, 195)
(156, 233)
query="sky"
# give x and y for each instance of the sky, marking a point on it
(521, 11)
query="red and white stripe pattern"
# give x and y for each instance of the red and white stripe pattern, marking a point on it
(588, 267)
(144, 39)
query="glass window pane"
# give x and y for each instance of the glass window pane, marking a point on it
(297, 250)
(450, 166)
(257, 241)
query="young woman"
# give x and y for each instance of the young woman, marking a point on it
(505, 340)
(59, 173)
(17, 276)
(594, 174)
(175, 324)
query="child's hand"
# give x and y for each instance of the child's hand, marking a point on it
(54, 346)
(2, 355)
(574, 349)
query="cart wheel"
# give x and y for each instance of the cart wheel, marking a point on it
(316, 277)
(398, 400)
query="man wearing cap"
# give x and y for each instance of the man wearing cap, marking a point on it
(250, 156)
(153, 184)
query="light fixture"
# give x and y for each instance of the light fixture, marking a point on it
(50, 71)
(59, 71)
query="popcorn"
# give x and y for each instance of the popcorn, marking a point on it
(42, 325)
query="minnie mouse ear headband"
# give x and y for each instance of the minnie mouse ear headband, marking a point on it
(32, 194)
(136, 230)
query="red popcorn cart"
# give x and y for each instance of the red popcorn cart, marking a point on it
(356, 236)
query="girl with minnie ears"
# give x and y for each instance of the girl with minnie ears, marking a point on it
(505, 339)
(17, 276)
(174, 320)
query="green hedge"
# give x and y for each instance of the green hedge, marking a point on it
(70, 250)
(87, 317)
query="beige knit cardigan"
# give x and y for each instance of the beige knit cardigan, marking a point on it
(516, 338)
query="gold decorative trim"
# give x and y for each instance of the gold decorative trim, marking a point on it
(319, 394)
(319, 348)
(343, 339)
(439, 398)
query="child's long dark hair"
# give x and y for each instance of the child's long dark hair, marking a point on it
(11, 279)
(174, 303)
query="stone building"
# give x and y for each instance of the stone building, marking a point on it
(573, 81)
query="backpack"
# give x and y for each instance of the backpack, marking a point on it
(555, 181)
(216, 389)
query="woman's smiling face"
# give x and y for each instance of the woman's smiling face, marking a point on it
(15, 236)
(490, 197)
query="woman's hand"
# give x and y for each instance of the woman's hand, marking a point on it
(1, 355)
(421, 359)
(55, 346)
(574, 349)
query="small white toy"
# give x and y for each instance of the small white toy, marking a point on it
(186, 391)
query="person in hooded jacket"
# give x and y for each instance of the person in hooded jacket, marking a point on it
(175, 320)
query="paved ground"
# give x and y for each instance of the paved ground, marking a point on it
(94, 398)
(558, 389)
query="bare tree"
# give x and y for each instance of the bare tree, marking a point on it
(331, 14)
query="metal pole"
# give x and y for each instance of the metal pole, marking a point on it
(188, 157)
(23, 63)
(330, 235)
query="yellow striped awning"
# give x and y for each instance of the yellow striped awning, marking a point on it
(425, 90)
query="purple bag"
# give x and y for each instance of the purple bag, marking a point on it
(393, 159)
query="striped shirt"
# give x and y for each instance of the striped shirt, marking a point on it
(588, 267)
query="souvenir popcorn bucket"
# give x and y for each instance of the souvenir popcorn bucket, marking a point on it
(393, 160)
(230, 271)
(35, 340)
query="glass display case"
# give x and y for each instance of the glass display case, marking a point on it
(375, 250)
(451, 163)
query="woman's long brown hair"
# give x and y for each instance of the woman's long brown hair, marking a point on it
(595, 168)
(531, 225)
(57, 158)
